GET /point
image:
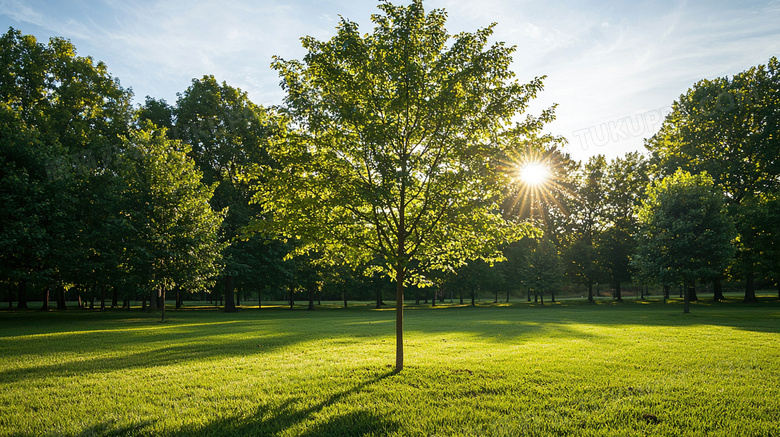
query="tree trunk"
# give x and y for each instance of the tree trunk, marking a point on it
(692, 292)
(61, 305)
(717, 288)
(460, 293)
(10, 298)
(750, 291)
(177, 296)
(22, 298)
(143, 301)
(666, 293)
(162, 304)
(778, 290)
(114, 297)
(590, 291)
(433, 297)
(529, 294)
(311, 298)
(536, 297)
(379, 302)
(230, 306)
(319, 296)
(153, 300)
(473, 293)
(552, 296)
(45, 306)
(344, 297)
(102, 299)
(399, 317)
(618, 293)
(507, 295)
(687, 300)
(495, 299)
(541, 298)
(238, 297)
(292, 298)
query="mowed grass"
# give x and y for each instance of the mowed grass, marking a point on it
(521, 369)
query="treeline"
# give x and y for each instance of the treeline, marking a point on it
(106, 202)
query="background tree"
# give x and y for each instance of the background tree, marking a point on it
(402, 134)
(685, 236)
(729, 127)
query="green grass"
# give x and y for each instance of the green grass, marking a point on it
(520, 369)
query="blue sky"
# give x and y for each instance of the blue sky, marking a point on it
(613, 68)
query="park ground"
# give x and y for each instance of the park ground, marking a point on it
(570, 368)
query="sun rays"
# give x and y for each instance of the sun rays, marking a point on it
(536, 183)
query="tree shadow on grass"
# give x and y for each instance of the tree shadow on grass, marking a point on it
(278, 419)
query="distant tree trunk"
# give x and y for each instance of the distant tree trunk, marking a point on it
(618, 293)
(642, 291)
(529, 294)
(143, 301)
(536, 297)
(379, 302)
(495, 299)
(311, 298)
(45, 306)
(10, 298)
(433, 297)
(552, 295)
(750, 291)
(230, 306)
(590, 290)
(292, 298)
(507, 295)
(344, 297)
(687, 300)
(125, 302)
(61, 305)
(153, 300)
(238, 297)
(473, 293)
(319, 296)
(114, 297)
(541, 298)
(778, 290)
(102, 298)
(666, 293)
(460, 293)
(717, 288)
(162, 303)
(400, 276)
(22, 298)
(177, 295)
(692, 292)
(681, 287)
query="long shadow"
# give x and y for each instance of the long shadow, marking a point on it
(271, 420)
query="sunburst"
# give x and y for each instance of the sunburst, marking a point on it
(535, 183)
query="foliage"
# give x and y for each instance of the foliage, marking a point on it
(686, 235)
(402, 135)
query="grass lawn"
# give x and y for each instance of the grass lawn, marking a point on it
(564, 369)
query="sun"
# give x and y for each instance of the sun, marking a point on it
(534, 173)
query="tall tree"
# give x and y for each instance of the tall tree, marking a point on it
(685, 235)
(403, 135)
(228, 135)
(729, 127)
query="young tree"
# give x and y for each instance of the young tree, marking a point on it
(685, 234)
(403, 136)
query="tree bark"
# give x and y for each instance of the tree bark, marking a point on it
(10, 298)
(472, 298)
(344, 297)
(311, 298)
(238, 297)
(541, 298)
(61, 305)
(45, 306)
(433, 297)
(687, 299)
(552, 296)
(379, 302)
(399, 314)
(529, 294)
(618, 292)
(153, 300)
(717, 288)
(114, 297)
(692, 292)
(177, 296)
(102, 298)
(507, 295)
(230, 306)
(292, 298)
(162, 304)
(750, 291)
(666, 293)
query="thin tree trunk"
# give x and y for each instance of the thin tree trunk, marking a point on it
(495, 299)
(750, 291)
(460, 293)
(238, 297)
(177, 296)
(153, 300)
(666, 293)
(61, 305)
(529, 294)
(552, 295)
(687, 300)
(433, 298)
(344, 297)
(507, 295)
(102, 298)
(114, 297)
(541, 298)
(230, 306)
(590, 290)
(45, 306)
(292, 298)
(311, 298)
(143, 301)
(162, 303)
(399, 315)
(473, 293)
(717, 292)
(10, 297)
(379, 302)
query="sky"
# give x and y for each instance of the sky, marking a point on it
(614, 68)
